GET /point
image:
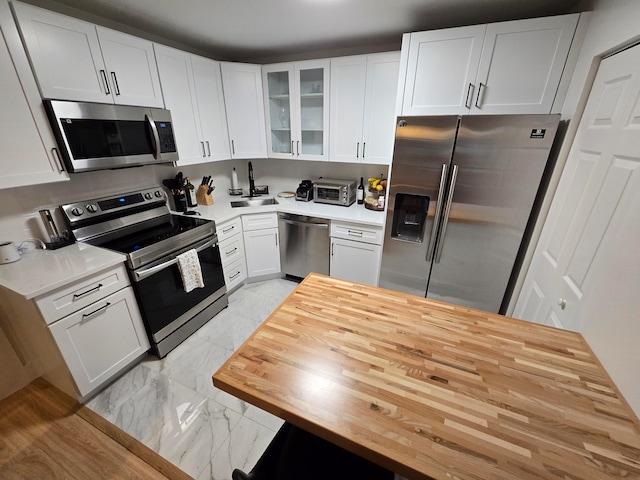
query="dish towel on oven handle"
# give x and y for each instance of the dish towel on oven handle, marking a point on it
(190, 271)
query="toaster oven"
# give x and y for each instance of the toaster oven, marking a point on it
(335, 192)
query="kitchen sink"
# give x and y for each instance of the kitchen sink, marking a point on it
(254, 202)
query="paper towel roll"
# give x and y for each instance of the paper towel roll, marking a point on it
(234, 179)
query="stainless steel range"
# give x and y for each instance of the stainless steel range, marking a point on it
(140, 225)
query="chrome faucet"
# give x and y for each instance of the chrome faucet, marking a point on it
(252, 184)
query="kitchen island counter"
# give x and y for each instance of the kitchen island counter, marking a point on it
(433, 390)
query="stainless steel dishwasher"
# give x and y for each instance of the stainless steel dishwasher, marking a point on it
(304, 245)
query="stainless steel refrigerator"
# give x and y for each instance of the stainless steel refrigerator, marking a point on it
(461, 194)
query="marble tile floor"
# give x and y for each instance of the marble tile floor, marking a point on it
(171, 405)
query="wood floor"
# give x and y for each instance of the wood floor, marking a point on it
(44, 434)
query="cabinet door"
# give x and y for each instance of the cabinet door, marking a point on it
(262, 252)
(379, 123)
(213, 120)
(355, 261)
(348, 76)
(65, 55)
(101, 339)
(277, 82)
(179, 93)
(521, 64)
(131, 68)
(242, 86)
(26, 134)
(312, 115)
(441, 70)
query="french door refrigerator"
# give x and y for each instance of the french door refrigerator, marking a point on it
(461, 194)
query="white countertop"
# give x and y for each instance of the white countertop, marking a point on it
(42, 271)
(222, 211)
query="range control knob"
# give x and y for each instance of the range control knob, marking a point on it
(148, 195)
(158, 193)
(91, 208)
(77, 211)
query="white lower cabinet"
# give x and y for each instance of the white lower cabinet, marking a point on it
(356, 252)
(101, 339)
(81, 335)
(261, 243)
(232, 252)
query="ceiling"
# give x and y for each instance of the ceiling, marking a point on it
(263, 31)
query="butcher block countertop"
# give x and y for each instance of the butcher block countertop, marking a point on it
(432, 390)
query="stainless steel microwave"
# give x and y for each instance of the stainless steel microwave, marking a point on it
(96, 136)
(335, 192)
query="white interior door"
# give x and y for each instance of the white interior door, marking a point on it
(585, 274)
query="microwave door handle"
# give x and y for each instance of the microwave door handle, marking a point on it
(146, 272)
(156, 137)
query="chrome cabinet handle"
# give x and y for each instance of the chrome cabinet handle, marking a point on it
(208, 148)
(234, 275)
(204, 154)
(358, 150)
(364, 144)
(78, 295)
(438, 213)
(452, 187)
(469, 95)
(298, 148)
(106, 83)
(115, 82)
(233, 148)
(225, 230)
(355, 233)
(276, 239)
(56, 154)
(231, 252)
(293, 153)
(479, 92)
(98, 310)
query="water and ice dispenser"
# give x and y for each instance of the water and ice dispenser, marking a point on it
(410, 217)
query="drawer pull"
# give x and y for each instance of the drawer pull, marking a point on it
(90, 314)
(354, 232)
(231, 252)
(225, 230)
(234, 275)
(78, 295)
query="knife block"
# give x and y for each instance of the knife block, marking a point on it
(203, 197)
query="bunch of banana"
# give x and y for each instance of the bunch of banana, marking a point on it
(378, 184)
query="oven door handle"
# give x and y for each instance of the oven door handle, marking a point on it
(146, 272)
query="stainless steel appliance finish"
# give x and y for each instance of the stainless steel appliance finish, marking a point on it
(140, 225)
(96, 136)
(460, 199)
(304, 245)
(335, 192)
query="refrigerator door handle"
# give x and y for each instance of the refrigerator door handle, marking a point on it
(438, 213)
(454, 176)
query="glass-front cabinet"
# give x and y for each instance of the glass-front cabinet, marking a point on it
(297, 106)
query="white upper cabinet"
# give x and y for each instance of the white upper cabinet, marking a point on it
(213, 120)
(441, 70)
(192, 89)
(27, 145)
(75, 60)
(363, 101)
(242, 87)
(506, 67)
(297, 105)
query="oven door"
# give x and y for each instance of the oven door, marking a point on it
(164, 304)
